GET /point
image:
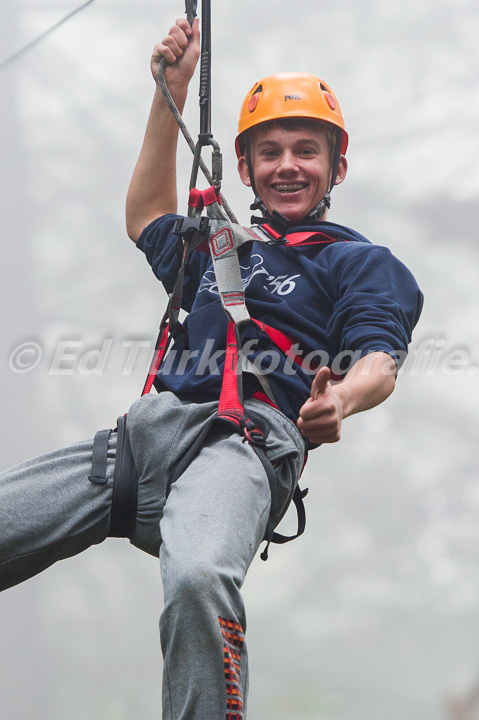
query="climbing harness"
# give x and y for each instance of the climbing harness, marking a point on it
(125, 478)
(222, 237)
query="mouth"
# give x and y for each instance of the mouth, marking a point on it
(288, 188)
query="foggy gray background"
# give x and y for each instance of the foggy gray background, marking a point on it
(374, 613)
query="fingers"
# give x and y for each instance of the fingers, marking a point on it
(314, 412)
(320, 436)
(320, 382)
(175, 43)
(321, 427)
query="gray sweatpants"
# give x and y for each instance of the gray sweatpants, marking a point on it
(206, 534)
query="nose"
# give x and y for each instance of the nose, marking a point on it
(287, 162)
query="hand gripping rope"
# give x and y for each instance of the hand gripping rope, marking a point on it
(205, 136)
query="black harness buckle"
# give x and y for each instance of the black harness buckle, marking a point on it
(187, 227)
(252, 433)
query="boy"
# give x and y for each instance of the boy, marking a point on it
(368, 303)
(206, 513)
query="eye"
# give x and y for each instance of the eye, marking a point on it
(269, 153)
(307, 151)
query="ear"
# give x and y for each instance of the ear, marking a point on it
(342, 170)
(243, 171)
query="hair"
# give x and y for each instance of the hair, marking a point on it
(292, 123)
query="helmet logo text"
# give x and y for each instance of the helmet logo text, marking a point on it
(292, 97)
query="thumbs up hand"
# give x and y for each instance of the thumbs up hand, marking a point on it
(321, 415)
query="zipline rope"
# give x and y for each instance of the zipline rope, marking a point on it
(205, 137)
(43, 35)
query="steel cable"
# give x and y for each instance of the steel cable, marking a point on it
(43, 35)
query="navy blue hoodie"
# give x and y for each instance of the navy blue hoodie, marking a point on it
(338, 302)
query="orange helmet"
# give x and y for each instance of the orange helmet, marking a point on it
(290, 95)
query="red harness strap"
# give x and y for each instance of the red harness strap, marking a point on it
(282, 341)
(260, 395)
(230, 404)
(160, 350)
(309, 237)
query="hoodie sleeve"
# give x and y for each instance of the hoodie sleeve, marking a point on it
(377, 303)
(163, 252)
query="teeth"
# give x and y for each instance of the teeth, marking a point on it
(288, 188)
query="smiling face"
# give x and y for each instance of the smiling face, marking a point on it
(291, 166)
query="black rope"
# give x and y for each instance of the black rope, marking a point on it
(43, 35)
(205, 70)
(198, 160)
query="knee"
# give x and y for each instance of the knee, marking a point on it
(196, 582)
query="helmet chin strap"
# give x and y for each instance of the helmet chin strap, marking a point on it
(281, 220)
(318, 212)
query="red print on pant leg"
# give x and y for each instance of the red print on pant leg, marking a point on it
(233, 642)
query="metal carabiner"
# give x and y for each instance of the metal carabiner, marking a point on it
(216, 160)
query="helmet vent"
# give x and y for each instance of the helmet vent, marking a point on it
(330, 100)
(254, 99)
(290, 95)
